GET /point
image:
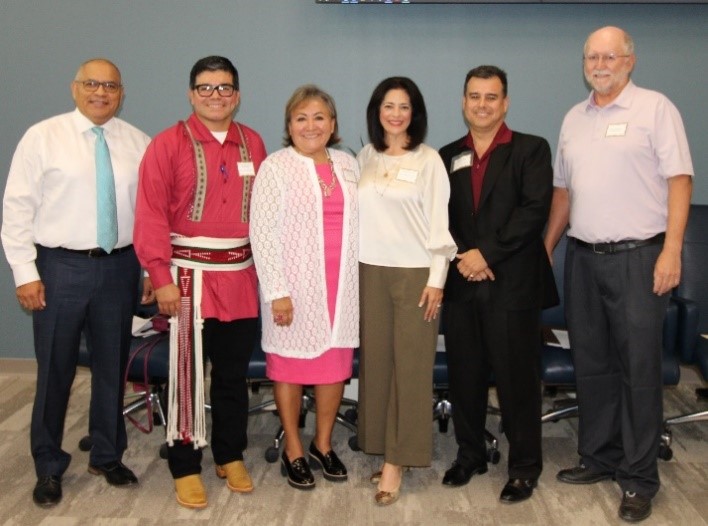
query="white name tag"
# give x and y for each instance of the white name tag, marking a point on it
(616, 130)
(408, 175)
(464, 160)
(245, 169)
(349, 176)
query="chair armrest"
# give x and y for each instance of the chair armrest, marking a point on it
(687, 328)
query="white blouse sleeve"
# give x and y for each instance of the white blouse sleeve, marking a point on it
(435, 200)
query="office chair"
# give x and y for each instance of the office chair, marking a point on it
(147, 372)
(691, 296)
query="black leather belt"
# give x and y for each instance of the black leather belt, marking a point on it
(621, 246)
(97, 252)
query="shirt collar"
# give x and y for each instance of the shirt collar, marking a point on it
(203, 133)
(623, 100)
(503, 136)
(84, 124)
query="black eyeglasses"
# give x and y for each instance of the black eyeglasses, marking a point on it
(224, 90)
(91, 85)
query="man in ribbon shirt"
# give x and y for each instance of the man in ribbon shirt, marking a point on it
(67, 232)
(191, 234)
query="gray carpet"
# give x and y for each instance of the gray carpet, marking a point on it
(683, 499)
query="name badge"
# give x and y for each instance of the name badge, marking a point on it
(246, 169)
(464, 160)
(616, 130)
(408, 175)
(349, 175)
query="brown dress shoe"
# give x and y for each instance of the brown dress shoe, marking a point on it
(190, 492)
(236, 475)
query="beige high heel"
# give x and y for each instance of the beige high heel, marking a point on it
(385, 498)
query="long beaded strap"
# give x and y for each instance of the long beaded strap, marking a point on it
(201, 176)
(248, 179)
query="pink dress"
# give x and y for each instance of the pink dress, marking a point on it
(335, 365)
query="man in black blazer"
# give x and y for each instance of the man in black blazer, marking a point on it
(501, 184)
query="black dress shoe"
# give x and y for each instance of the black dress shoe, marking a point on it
(459, 475)
(47, 491)
(583, 475)
(634, 508)
(332, 467)
(517, 490)
(297, 471)
(116, 473)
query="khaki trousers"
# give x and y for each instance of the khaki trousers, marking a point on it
(396, 366)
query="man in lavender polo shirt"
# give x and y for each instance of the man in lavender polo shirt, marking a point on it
(623, 178)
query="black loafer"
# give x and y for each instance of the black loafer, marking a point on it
(47, 491)
(116, 473)
(332, 467)
(634, 508)
(517, 490)
(459, 475)
(583, 475)
(297, 471)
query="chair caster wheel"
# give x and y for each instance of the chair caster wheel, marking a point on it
(85, 443)
(665, 452)
(351, 416)
(271, 454)
(354, 443)
(493, 456)
(442, 425)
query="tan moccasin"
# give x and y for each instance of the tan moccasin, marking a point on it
(236, 475)
(190, 492)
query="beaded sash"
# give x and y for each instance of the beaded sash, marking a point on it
(186, 419)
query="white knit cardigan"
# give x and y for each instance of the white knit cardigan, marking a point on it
(287, 239)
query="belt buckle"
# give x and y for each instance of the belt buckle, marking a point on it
(95, 252)
(598, 251)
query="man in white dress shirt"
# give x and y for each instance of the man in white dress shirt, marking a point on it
(51, 239)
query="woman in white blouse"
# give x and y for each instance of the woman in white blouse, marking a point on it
(304, 237)
(405, 250)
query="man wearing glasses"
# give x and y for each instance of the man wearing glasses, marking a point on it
(191, 234)
(623, 182)
(67, 233)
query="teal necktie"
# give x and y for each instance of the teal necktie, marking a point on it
(107, 224)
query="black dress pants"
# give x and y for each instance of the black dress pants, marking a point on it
(98, 295)
(228, 345)
(481, 339)
(615, 325)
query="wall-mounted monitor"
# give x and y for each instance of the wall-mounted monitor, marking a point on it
(383, 2)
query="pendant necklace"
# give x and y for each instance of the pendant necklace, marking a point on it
(382, 158)
(328, 188)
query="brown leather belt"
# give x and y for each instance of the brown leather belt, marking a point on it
(621, 246)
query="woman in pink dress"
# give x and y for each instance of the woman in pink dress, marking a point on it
(304, 236)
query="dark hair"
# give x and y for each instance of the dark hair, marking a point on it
(303, 94)
(487, 72)
(212, 63)
(419, 118)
